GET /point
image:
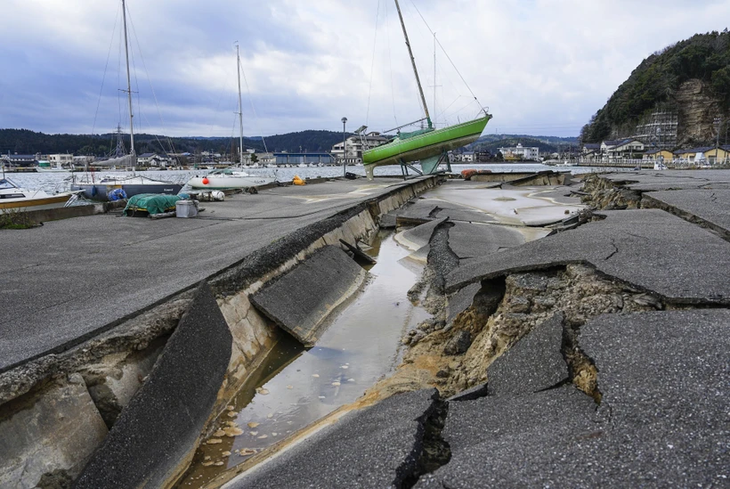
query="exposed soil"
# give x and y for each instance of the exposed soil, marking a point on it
(503, 311)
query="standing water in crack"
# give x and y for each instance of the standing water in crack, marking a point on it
(295, 387)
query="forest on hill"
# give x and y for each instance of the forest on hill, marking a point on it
(690, 78)
(24, 141)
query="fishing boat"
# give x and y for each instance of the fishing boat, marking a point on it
(16, 198)
(235, 177)
(429, 146)
(115, 187)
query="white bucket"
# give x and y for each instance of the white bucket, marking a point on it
(186, 208)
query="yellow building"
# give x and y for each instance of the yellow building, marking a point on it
(658, 155)
(719, 155)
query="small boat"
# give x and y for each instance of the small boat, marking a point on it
(108, 187)
(429, 146)
(15, 198)
(45, 167)
(229, 178)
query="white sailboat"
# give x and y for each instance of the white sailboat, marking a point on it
(235, 177)
(114, 187)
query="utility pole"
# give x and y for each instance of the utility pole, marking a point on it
(718, 123)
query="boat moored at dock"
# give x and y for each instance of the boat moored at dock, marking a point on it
(16, 198)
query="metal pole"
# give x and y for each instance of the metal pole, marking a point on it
(129, 85)
(344, 154)
(240, 109)
(413, 62)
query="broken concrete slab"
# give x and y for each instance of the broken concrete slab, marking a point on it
(55, 430)
(461, 300)
(422, 210)
(532, 364)
(158, 430)
(665, 379)
(665, 376)
(456, 212)
(646, 181)
(708, 208)
(290, 303)
(648, 249)
(419, 236)
(473, 240)
(513, 441)
(376, 447)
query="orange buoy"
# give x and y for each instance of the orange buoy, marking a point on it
(205, 181)
(297, 181)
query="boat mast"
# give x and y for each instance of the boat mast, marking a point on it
(413, 62)
(129, 87)
(240, 108)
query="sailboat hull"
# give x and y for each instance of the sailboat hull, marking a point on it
(425, 145)
(134, 185)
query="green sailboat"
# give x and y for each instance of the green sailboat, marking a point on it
(429, 146)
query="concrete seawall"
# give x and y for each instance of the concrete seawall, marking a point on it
(101, 374)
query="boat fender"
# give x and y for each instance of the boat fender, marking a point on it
(117, 194)
(217, 195)
(297, 181)
(205, 181)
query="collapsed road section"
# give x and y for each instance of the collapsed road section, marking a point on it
(596, 356)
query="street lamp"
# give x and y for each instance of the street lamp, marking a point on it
(344, 140)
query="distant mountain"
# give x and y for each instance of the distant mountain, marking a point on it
(23, 141)
(683, 91)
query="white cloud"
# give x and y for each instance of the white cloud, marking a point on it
(542, 66)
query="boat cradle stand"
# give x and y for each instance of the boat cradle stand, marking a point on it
(428, 165)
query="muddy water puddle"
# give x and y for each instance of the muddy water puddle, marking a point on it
(295, 387)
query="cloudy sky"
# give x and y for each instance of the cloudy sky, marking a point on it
(542, 67)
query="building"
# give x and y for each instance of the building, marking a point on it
(692, 155)
(622, 149)
(356, 144)
(521, 153)
(660, 155)
(58, 160)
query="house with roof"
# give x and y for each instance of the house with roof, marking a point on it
(692, 155)
(153, 159)
(719, 155)
(591, 151)
(624, 148)
(656, 154)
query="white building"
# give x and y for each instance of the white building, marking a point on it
(521, 153)
(356, 144)
(60, 160)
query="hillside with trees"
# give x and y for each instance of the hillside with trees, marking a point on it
(548, 144)
(690, 79)
(23, 141)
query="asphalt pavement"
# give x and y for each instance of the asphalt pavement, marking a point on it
(68, 280)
